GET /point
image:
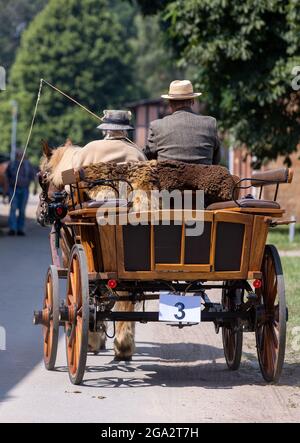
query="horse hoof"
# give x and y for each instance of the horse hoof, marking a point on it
(120, 358)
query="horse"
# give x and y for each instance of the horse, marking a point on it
(52, 164)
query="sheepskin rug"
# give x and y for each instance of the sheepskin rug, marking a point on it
(216, 181)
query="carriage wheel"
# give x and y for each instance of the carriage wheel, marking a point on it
(232, 334)
(77, 303)
(271, 325)
(51, 317)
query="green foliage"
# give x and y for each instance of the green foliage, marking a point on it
(244, 51)
(151, 6)
(81, 47)
(15, 15)
(155, 64)
(280, 238)
(291, 266)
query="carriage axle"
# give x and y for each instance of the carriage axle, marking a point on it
(42, 317)
(213, 313)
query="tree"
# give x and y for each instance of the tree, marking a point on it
(155, 64)
(244, 51)
(83, 48)
(151, 7)
(15, 15)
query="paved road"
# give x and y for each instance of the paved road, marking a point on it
(175, 376)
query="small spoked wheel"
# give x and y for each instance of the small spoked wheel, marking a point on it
(271, 317)
(77, 304)
(232, 334)
(51, 317)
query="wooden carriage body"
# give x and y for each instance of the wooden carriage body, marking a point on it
(112, 263)
(231, 246)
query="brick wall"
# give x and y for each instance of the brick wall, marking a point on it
(289, 194)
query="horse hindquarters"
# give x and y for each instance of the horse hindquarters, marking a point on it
(124, 344)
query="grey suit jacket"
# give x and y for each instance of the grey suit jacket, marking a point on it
(184, 136)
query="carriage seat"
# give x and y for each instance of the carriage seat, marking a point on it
(105, 203)
(244, 203)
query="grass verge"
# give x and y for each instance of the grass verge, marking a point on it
(280, 238)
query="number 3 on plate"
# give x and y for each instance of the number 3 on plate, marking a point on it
(181, 308)
(177, 308)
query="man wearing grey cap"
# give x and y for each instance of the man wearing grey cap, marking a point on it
(115, 147)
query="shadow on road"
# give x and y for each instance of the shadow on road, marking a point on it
(180, 365)
(23, 265)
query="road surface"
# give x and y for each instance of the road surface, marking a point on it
(175, 376)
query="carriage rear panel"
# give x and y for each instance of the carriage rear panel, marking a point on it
(230, 247)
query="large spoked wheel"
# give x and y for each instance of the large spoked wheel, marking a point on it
(51, 317)
(77, 303)
(272, 313)
(232, 334)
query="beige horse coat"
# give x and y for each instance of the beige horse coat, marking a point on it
(103, 151)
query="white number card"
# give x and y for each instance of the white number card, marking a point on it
(177, 308)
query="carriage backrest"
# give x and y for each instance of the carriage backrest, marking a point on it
(272, 177)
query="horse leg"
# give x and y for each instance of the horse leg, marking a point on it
(124, 345)
(97, 340)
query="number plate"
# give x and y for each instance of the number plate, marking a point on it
(177, 308)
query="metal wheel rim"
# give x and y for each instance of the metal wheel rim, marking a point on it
(51, 303)
(271, 331)
(232, 340)
(77, 301)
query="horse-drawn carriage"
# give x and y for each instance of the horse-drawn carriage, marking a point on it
(110, 268)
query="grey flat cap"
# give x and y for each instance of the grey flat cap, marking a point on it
(116, 120)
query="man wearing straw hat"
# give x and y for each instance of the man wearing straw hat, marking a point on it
(183, 135)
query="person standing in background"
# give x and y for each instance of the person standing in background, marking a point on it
(16, 223)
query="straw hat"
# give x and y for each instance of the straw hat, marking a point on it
(116, 120)
(181, 90)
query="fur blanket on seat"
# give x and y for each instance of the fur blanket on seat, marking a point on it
(216, 181)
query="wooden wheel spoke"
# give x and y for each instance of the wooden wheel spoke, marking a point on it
(271, 355)
(72, 335)
(77, 281)
(274, 336)
(71, 299)
(73, 284)
(49, 288)
(272, 293)
(72, 353)
(46, 335)
(78, 343)
(264, 346)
